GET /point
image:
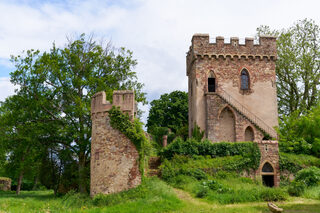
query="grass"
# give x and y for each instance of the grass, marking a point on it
(151, 196)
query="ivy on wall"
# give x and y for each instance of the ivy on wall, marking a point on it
(133, 130)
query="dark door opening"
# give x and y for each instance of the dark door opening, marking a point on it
(211, 84)
(268, 180)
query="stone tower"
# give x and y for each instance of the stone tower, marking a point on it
(114, 158)
(232, 93)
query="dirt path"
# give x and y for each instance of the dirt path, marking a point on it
(198, 205)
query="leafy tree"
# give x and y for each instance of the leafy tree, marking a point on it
(63, 80)
(298, 65)
(171, 111)
(25, 131)
(301, 134)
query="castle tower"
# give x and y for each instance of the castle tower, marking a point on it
(114, 158)
(232, 90)
(233, 96)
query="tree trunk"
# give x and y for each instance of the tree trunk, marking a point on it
(19, 182)
(82, 173)
(36, 181)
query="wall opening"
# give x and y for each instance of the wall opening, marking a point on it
(227, 125)
(244, 77)
(268, 180)
(249, 134)
(211, 84)
(267, 175)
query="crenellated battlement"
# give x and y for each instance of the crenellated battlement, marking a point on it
(201, 47)
(122, 98)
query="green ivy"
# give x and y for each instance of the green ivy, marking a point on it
(133, 130)
(192, 147)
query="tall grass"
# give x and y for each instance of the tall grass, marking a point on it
(152, 195)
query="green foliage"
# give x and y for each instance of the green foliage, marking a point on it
(133, 130)
(197, 134)
(300, 134)
(296, 188)
(170, 111)
(297, 65)
(191, 147)
(158, 133)
(59, 84)
(309, 176)
(151, 196)
(293, 163)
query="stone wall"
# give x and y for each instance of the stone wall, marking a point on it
(114, 158)
(270, 153)
(226, 61)
(216, 131)
(5, 184)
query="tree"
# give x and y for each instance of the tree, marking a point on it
(298, 65)
(62, 82)
(25, 131)
(171, 111)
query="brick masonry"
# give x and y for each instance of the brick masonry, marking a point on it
(114, 158)
(221, 119)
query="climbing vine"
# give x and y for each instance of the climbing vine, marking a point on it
(133, 130)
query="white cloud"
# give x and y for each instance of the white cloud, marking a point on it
(157, 31)
(6, 88)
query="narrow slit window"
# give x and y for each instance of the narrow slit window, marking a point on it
(244, 80)
(211, 84)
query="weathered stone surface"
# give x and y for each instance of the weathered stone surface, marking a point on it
(114, 158)
(226, 111)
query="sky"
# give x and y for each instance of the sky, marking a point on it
(158, 32)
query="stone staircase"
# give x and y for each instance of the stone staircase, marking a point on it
(153, 166)
(246, 113)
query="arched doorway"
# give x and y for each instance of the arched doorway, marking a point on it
(249, 134)
(227, 125)
(267, 173)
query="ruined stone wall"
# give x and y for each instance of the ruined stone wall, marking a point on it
(114, 158)
(227, 61)
(270, 153)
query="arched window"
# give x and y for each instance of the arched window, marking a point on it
(244, 79)
(211, 82)
(267, 167)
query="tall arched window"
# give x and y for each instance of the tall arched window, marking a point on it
(244, 79)
(211, 82)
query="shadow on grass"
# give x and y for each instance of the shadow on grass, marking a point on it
(39, 195)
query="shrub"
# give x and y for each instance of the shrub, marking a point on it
(191, 147)
(202, 191)
(296, 188)
(309, 176)
(293, 162)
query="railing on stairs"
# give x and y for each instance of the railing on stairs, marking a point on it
(243, 110)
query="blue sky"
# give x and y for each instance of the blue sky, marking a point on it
(158, 32)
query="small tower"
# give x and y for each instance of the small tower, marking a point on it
(114, 158)
(232, 92)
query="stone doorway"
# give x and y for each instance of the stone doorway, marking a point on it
(268, 180)
(268, 175)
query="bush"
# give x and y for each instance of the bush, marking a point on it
(296, 188)
(202, 191)
(309, 176)
(191, 147)
(293, 162)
